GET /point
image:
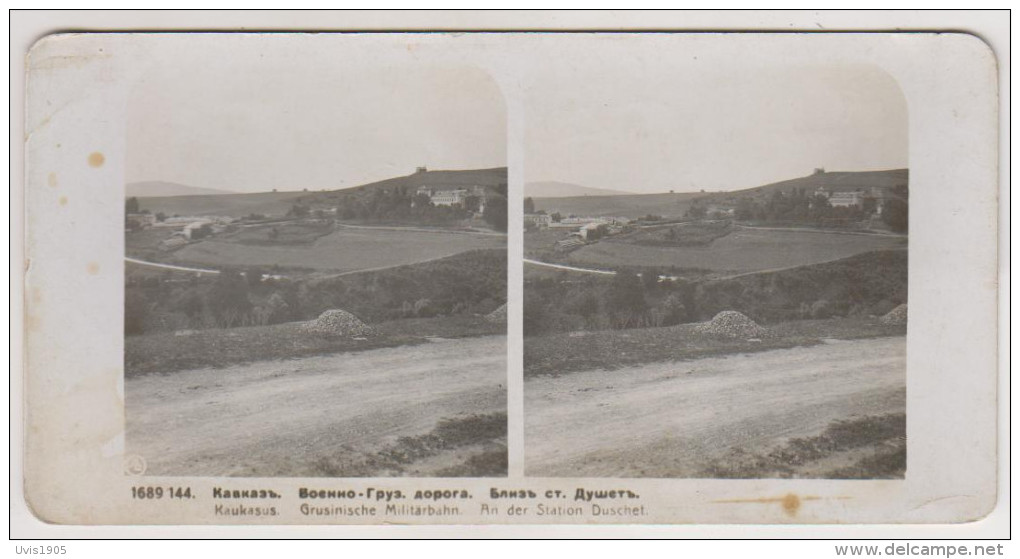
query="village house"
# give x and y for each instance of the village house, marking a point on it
(141, 220)
(450, 195)
(541, 221)
(844, 198)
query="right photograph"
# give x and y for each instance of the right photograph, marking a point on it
(715, 271)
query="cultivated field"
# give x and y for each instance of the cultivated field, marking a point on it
(233, 205)
(829, 410)
(624, 205)
(430, 410)
(344, 250)
(743, 250)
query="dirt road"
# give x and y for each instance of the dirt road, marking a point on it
(671, 419)
(281, 418)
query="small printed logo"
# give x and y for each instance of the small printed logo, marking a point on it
(134, 465)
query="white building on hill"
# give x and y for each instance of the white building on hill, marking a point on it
(453, 195)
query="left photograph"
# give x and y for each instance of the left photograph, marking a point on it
(315, 269)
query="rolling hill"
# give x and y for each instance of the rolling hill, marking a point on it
(278, 203)
(166, 188)
(495, 178)
(556, 189)
(834, 181)
(674, 205)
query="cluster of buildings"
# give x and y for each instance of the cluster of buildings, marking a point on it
(853, 198)
(455, 195)
(185, 226)
(583, 228)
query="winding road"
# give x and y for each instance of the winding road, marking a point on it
(672, 419)
(282, 418)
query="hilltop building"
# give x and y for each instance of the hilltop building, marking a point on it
(854, 198)
(845, 199)
(450, 195)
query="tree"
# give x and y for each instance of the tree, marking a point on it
(556, 217)
(529, 205)
(535, 315)
(472, 203)
(228, 299)
(626, 299)
(673, 310)
(131, 206)
(201, 232)
(160, 217)
(421, 201)
(868, 205)
(495, 213)
(896, 211)
(136, 312)
(650, 279)
(696, 212)
(298, 210)
(253, 276)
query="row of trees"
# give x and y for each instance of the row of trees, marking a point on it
(866, 284)
(799, 206)
(529, 208)
(627, 300)
(402, 204)
(466, 284)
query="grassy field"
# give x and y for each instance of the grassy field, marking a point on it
(742, 251)
(280, 234)
(233, 205)
(344, 250)
(625, 205)
(693, 234)
(166, 352)
(144, 244)
(611, 349)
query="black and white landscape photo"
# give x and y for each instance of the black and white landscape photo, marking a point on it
(315, 275)
(715, 269)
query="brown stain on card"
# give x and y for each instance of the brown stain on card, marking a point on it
(790, 503)
(32, 322)
(63, 200)
(51, 180)
(92, 268)
(96, 159)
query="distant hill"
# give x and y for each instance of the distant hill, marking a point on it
(233, 205)
(165, 188)
(278, 203)
(556, 189)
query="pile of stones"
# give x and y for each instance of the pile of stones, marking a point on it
(733, 324)
(338, 322)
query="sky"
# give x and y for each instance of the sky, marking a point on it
(642, 115)
(251, 123)
(648, 124)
